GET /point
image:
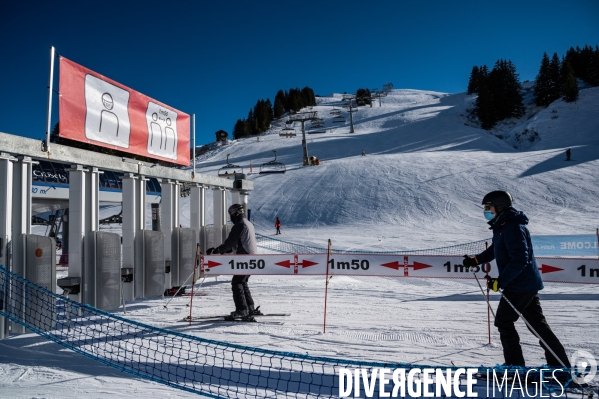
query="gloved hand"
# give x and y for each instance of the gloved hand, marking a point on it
(492, 283)
(469, 262)
(209, 251)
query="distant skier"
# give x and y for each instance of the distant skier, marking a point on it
(278, 225)
(242, 240)
(363, 153)
(568, 153)
(519, 277)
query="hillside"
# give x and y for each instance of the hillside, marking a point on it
(425, 170)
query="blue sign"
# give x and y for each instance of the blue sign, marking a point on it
(571, 246)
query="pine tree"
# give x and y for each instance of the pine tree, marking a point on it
(279, 108)
(473, 82)
(269, 110)
(308, 97)
(555, 85)
(507, 96)
(251, 123)
(569, 86)
(363, 97)
(542, 83)
(483, 106)
(239, 129)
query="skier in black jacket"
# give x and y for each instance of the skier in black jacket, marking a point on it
(241, 240)
(519, 277)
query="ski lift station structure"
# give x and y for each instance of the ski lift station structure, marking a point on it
(303, 117)
(106, 269)
(273, 167)
(229, 170)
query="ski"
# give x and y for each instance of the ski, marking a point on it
(223, 320)
(200, 318)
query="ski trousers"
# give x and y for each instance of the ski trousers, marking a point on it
(529, 305)
(241, 293)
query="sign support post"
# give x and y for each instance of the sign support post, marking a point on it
(50, 89)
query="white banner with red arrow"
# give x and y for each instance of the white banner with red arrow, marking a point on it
(566, 270)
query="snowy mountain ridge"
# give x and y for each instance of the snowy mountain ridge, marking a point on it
(425, 171)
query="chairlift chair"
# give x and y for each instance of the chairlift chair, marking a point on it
(229, 170)
(287, 132)
(273, 166)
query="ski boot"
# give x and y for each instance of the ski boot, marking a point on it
(255, 312)
(242, 315)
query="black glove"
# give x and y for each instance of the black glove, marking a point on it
(469, 262)
(209, 251)
(492, 283)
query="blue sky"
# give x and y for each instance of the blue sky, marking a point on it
(216, 59)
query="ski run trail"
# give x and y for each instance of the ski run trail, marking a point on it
(427, 167)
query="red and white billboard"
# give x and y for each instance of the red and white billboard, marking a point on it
(97, 110)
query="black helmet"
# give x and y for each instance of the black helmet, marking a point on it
(236, 212)
(500, 200)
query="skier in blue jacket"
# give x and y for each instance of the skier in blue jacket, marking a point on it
(519, 277)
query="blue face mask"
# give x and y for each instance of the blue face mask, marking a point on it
(489, 215)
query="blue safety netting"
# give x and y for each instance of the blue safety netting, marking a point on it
(191, 363)
(550, 246)
(275, 244)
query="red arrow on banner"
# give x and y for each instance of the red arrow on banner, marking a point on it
(285, 263)
(396, 265)
(304, 263)
(212, 263)
(549, 269)
(307, 263)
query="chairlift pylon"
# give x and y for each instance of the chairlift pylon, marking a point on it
(273, 166)
(229, 170)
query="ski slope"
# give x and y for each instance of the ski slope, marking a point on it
(419, 186)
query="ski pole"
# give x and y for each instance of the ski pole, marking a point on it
(483, 292)
(195, 265)
(326, 289)
(533, 330)
(184, 284)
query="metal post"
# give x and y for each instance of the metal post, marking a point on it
(130, 229)
(21, 222)
(77, 227)
(351, 117)
(50, 89)
(193, 129)
(6, 188)
(305, 145)
(197, 211)
(92, 224)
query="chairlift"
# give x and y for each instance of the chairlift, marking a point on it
(229, 170)
(317, 131)
(339, 119)
(273, 166)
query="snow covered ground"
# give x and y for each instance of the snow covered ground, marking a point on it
(419, 186)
